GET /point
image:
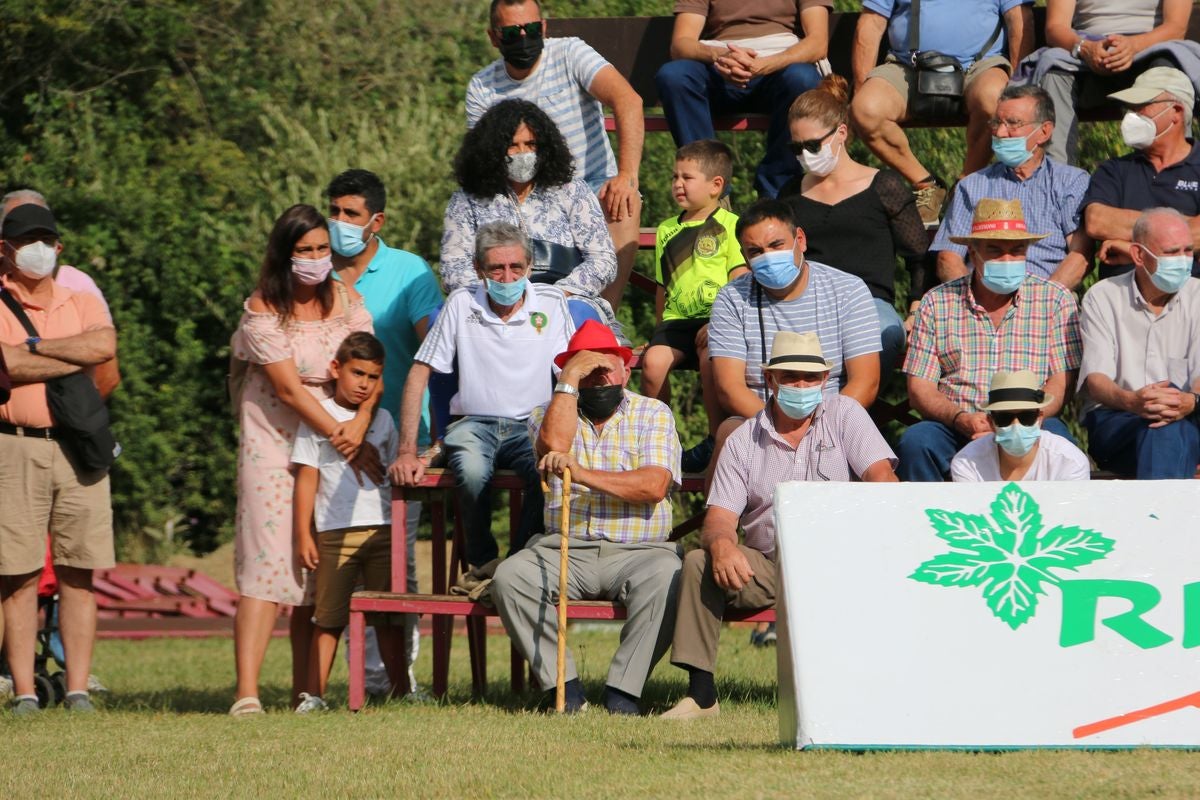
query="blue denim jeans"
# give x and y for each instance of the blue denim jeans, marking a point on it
(693, 93)
(927, 448)
(475, 448)
(1126, 444)
(891, 335)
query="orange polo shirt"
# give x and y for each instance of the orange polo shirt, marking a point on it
(68, 313)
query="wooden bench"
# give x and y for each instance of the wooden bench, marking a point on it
(443, 607)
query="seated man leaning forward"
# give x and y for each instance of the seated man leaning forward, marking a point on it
(1141, 365)
(623, 454)
(996, 318)
(504, 333)
(1018, 449)
(803, 434)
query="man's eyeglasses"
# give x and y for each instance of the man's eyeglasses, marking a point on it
(1011, 124)
(811, 145)
(512, 33)
(1027, 417)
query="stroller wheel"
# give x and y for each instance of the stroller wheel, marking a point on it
(59, 681)
(44, 687)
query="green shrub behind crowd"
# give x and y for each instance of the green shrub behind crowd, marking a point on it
(168, 137)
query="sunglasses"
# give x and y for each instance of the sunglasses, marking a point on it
(512, 33)
(811, 145)
(1003, 419)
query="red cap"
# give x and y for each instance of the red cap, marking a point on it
(594, 336)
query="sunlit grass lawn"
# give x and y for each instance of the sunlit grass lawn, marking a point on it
(164, 734)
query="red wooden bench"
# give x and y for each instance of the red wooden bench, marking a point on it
(438, 486)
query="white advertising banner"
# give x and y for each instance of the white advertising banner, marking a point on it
(989, 615)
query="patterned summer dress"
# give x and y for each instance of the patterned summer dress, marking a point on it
(263, 560)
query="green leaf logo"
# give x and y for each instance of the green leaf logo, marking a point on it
(1007, 554)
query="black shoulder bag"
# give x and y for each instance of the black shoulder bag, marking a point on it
(80, 416)
(940, 78)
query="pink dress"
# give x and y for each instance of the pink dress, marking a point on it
(263, 562)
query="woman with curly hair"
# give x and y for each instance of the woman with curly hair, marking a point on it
(290, 329)
(514, 166)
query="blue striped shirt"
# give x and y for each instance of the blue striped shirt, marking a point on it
(1051, 199)
(559, 86)
(835, 305)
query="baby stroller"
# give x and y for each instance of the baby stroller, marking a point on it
(51, 686)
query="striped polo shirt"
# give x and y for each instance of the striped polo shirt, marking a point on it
(559, 86)
(836, 305)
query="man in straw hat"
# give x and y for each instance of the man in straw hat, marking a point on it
(997, 318)
(803, 434)
(623, 454)
(1141, 365)
(1163, 170)
(1017, 448)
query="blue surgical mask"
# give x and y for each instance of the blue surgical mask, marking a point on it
(798, 402)
(506, 294)
(775, 269)
(1011, 150)
(1172, 272)
(1018, 439)
(346, 238)
(1003, 277)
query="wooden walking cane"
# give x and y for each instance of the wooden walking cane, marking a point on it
(560, 686)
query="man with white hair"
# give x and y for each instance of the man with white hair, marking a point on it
(1141, 368)
(1163, 170)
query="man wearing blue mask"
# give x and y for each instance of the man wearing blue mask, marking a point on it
(1051, 193)
(1018, 449)
(1141, 366)
(1162, 170)
(997, 318)
(802, 434)
(504, 333)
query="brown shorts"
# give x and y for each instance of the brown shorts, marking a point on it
(902, 77)
(43, 491)
(348, 558)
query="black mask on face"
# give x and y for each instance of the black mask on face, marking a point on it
(522, 53)
(598, 403)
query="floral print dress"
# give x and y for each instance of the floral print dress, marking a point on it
(263, 562)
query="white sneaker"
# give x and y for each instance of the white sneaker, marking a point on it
(310, 703)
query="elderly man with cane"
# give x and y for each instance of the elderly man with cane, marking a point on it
(622, 453)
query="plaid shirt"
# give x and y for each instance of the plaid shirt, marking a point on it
(640, 434)
(955, 344)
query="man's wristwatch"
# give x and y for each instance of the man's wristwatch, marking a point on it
(1077, 48)
(32, 343)
(565, 388)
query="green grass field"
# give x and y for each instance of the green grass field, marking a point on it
(164, 733)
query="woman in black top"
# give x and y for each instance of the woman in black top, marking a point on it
(856, 218)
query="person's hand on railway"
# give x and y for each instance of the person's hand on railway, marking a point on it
(731, 569)
(406, 470)
(554, 462)
(617, 196)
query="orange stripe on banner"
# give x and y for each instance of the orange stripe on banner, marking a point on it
(1187, 701)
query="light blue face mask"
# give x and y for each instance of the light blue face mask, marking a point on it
(798, 402)
(1003, 277)
(775, 269)
(1011, 150)
(506, 294)
(1018, 439)
(346, 238)
(1171, 273)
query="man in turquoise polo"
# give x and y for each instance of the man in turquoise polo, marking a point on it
(401, 293)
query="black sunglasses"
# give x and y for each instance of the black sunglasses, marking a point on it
(811, 145)
(512, 33)
(1003, 419)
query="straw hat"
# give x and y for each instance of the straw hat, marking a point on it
(998, 219)
(797, 352)
(1016, 391)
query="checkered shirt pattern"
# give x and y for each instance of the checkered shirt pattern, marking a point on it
(640, 434)
(955, 344)
(841, 445)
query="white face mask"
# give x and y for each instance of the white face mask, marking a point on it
(36, 259)
(1139, 131)
(820, 163)
(521, 167)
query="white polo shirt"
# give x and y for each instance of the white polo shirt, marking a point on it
(504, 368)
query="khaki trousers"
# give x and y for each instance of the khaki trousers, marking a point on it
(702, 606)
